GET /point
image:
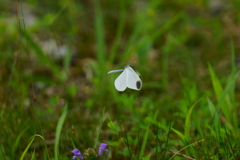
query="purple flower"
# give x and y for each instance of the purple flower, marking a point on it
(90, 153)
(102, 149)
(78, 154)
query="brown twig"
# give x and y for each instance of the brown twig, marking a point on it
(181, 155)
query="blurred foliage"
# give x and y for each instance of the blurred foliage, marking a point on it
(58, 53)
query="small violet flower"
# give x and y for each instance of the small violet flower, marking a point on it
(102, 149)
(78, 154)
(90, 153)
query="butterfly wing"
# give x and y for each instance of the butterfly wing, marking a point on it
(120, 82)
(133, 81)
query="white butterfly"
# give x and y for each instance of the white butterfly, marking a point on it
(128, 78)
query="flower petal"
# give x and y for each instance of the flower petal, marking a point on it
(78, 154)
(103, 146)
(102, 149)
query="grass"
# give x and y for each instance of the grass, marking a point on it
(56, 95)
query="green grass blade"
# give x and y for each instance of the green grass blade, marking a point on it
(182, 136)
(33, 155)
(218, 90)
(99, 128)
(17, 140)
(156, 151)
(229, 143)
(147, 157)
(138, 143)
(25, 151)
(58, 132)
(99, 35)
(127, 143)
(215, 117)
(165, 61)
(232, 114)
(119, 32)
(146, 137)
(29, 144)
(187, 121)
(216, 83)
(168, 135)
(57, 15)
(232, 90)
(144, 141)
(73, 144)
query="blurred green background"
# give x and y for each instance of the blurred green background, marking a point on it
(56, 55)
